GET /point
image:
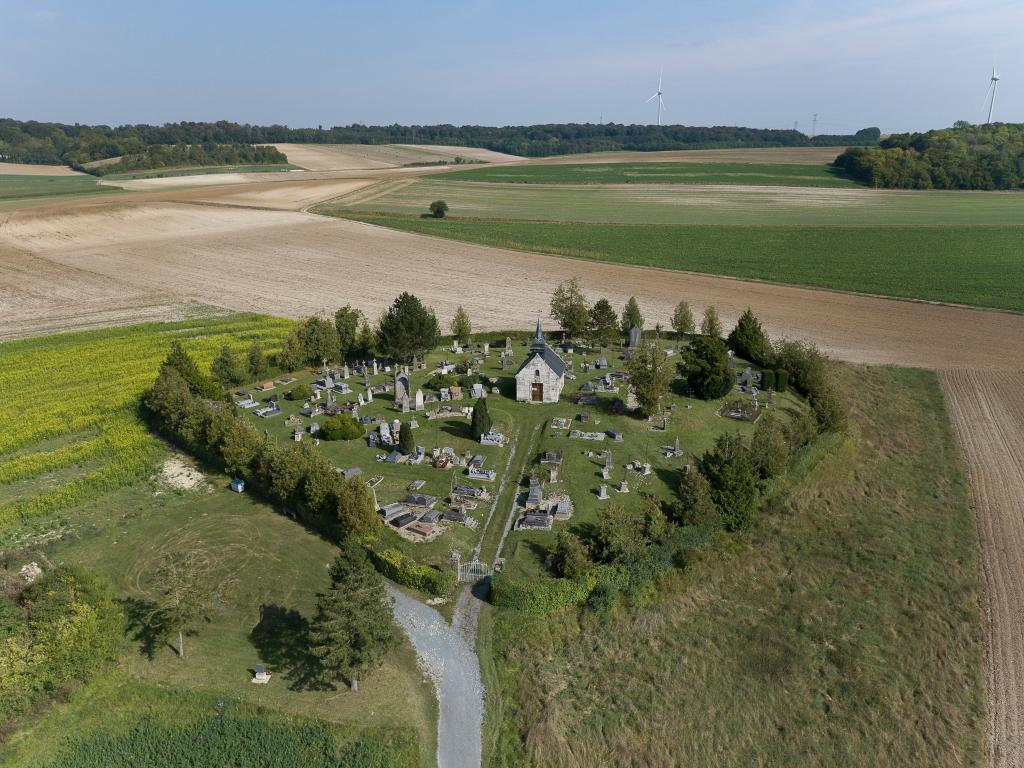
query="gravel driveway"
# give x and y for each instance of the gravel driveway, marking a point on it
(448, 654)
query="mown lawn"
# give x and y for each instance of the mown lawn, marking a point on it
(842, 630)
(661, 173)
(269, 570)
(975, 265)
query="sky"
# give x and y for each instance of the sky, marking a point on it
(901, 66)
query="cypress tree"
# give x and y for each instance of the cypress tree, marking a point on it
(406, 443)
(481, 422)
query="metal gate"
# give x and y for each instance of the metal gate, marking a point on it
(474, 570)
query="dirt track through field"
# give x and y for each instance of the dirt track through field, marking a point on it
(987, 409)
(76, 266)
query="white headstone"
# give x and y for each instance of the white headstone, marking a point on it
(603, 493)
(419, 399)
(376, 368)
(405, 403)
(623, 486)
(369, 395)
(345, 372)
(361, 400)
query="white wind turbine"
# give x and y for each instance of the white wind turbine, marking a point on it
(990, 97)
(657, 95)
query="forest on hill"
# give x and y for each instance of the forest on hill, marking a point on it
(76, 145)
(965, 156)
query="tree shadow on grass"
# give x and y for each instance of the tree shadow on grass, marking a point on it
(283, 641)
(146, 625)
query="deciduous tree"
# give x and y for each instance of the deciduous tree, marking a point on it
(682, 319)
(460, 326)
(650, 375)
(570, 308)
(710, 325)
(347, 322)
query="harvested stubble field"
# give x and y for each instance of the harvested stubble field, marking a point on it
(340, 157)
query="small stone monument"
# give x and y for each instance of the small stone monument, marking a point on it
(345, 373)
(419, 400)
(623, 486)
(606, 473)
(508, 347)
(405, 403)
(634, 337)
(369, 395)
(602, 492)
(376, 368)
(361, 401)
(553, 475)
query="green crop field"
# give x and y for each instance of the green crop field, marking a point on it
(661, 173)
(75, 438)
(842, 629)
(957, 247)
(20, 190)
(163, 173)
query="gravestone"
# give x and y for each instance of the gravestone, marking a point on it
(603, 492)
(376, 368)
(366, 376)
(419, 399)
(401, 386)
(405, 403)
(361, 400)
(606, 473)
(623, 486)
(508, 346)
(345, 372)
(487, 348)
(553, 475)
(369, 395)
(634, 337)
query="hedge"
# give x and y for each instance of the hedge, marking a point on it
(781, 380)
(409, 573)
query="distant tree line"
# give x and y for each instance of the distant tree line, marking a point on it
(157, 156)
(75, 145)
(963, 157)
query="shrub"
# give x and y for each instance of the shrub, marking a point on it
(407, 572)
(442, 381)
(768, 379)
(540, 596)
(781, 380)
(769, 447)
(406, 442)
(341, 427)
(300, 392)
(438, 209)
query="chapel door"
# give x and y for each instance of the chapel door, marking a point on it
(537, 392)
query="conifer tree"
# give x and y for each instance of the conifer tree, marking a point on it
(481, 422)
(353, 629)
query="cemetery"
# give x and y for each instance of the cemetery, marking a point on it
(446, 492)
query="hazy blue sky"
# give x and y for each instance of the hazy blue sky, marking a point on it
(899, 65)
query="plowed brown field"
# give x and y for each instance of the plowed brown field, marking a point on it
(987, 408)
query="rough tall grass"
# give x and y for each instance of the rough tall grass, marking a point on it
(843, 631)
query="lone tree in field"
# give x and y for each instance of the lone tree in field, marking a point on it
(706, 364)
(352, 630)
(185, 593)
(461, 327)
(439, 208)
(748, 339)
(346, 322)
(570, 308)
(682, 319)
(631, 316)
(604, 323)
(711, 326)
(650, 375)
(481, 422)
(407, 329)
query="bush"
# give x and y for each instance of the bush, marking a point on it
(442, 381)
(781, 380)
(341, 427)
(540, 596)
(300, 392)
(405, 571)
(768, 379)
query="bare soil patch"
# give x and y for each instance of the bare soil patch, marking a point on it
(987, 408)
(28, 169)
(179, 474)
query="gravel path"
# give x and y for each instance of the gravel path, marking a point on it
(447, 653)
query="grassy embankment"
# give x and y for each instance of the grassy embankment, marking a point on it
(843, 629)
(936, 246)
(17, 191)
(160, 173)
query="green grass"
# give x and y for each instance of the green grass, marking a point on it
(18, 190)
(843, 629)
(955, 247)
(979, 266)
(41, 474)
(160, 173)
(271, 570)
(661, 173)
(685, 204)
